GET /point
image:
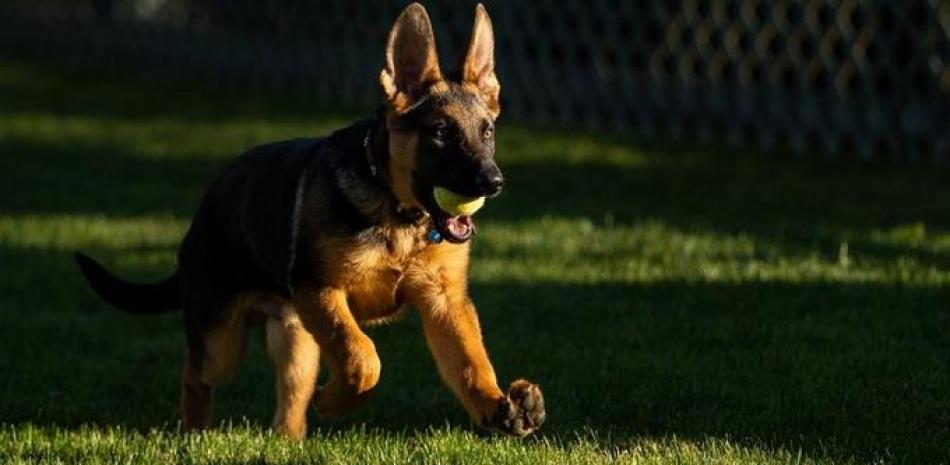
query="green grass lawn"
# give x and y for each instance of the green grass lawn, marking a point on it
(677, 305)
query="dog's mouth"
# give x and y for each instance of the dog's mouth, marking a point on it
(455, 229)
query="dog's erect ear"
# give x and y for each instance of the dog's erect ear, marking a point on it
(412, 63)
(478, 70)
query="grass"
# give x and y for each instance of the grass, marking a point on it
(677, 304)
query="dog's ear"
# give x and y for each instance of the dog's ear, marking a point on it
(478, 69)
(412, 63)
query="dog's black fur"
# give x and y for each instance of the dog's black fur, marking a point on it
(248, 227)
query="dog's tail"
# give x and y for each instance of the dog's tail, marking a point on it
(142, 299)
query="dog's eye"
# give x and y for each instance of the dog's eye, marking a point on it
(488, 132)
(440, 131)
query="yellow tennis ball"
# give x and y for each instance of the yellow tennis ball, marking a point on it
(455, 204)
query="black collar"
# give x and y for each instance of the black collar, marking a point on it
(376, 150)
(370, 147)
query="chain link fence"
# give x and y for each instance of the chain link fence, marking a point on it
(864, 78)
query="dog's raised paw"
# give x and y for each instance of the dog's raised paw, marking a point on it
(521, 411)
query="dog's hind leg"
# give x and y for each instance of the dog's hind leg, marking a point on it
(196, 396)
(296, 356)
(212, 357)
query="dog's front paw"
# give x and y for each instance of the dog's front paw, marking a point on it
(521, 411)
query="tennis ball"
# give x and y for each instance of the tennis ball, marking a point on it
(455, 204)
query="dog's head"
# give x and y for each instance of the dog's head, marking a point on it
(441, 131)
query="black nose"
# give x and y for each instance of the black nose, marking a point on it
(491, 183)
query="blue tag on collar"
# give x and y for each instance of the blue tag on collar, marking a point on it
(434, 236)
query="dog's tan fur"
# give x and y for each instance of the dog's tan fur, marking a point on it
(295, 355)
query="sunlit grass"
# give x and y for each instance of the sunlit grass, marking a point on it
(29, 444)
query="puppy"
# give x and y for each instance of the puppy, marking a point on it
(313, 237)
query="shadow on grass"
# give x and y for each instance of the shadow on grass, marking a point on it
(807, 205)
(839, 370)
(92, 179)
(26, 87)
(803, 205)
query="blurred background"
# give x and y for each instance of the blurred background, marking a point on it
(862, 78)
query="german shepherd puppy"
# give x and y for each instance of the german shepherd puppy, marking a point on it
(314, 237)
